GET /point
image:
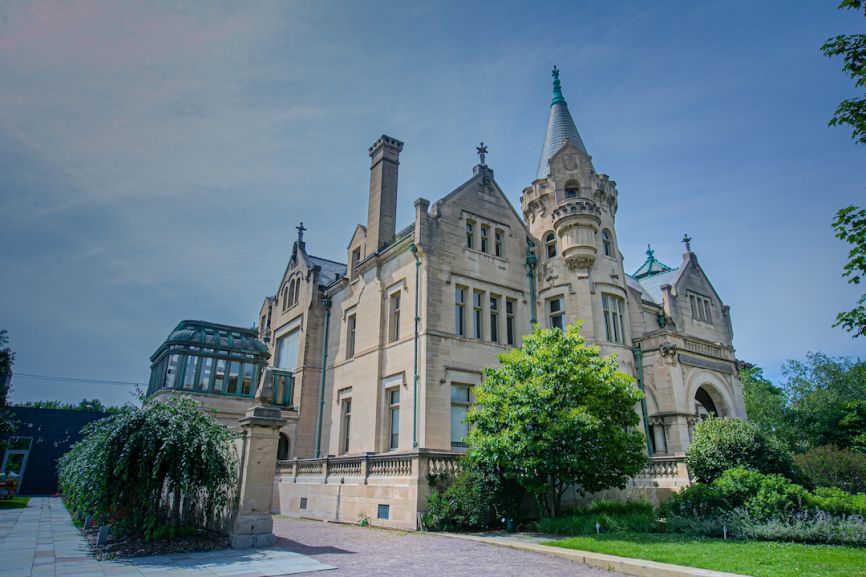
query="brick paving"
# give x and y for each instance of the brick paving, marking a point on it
(364, 551)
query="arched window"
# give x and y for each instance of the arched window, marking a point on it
(297, 291)
(291, 298)
(550, 243)
(283, 447)
(285, 296)
(570, 193)
(704, 404)
(605, 242)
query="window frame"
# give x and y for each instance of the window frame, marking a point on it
(478, 314)
(510, 337)
(351, 328)
(394, 304)
(393, 418)
(470, 234)
(484, 242)
(460, 310)
(613, 317)
(498, 243)
(556, 318)
(493, 315)
(606, 243)
(550, 248)
(463, 406)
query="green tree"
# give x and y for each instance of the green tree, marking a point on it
(766, 405)
(852, 49)
(556, 414)
(7, 359)
(820, 390)
(850, 226)
(722, 444)
(83, 405)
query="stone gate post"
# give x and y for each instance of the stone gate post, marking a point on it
(253, 525)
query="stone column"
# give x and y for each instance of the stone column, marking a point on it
(253, 525)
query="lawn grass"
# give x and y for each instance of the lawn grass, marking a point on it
(757, 558)
(14, 503)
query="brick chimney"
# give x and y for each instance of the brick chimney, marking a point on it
(382, 212)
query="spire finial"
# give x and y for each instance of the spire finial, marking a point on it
(687, 240)
(301, 230)
(481, 151)
(650, 253)
(557, 88)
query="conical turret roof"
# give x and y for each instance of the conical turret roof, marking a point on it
(560, 128)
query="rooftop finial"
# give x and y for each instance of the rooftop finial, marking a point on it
(687, 240)
(481, 151)
(650, 253)
(557, 89)
(301, 230)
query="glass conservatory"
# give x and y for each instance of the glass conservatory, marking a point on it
(202, 357)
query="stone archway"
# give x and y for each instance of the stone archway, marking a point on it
(708, 401)
(283, 447)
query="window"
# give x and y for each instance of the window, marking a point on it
(234, 369)
(701, 308)
(605, 243)
(556, 313)
(171, 373)
(285, 297)
(219, 376)
(460, 396)
(297, 291)
(477, 310)
(283, 447)
(497, 244)
(394, 318)
(509, 321)
(394, 418)
(460, 312)
(189, 372)
(356, 258)
(383, 511)
(287, 350)
(550, 244)
(570, 193)
(247, 379)
(613, 313)
(470, 234)
(351, 325)
(494, 319)
(262, 326)
(346, 424)
(485, 236)
(206, 370)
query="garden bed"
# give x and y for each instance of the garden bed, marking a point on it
(126, 547)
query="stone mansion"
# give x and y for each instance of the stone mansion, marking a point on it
(375, 360)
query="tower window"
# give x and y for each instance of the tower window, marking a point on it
(494, 319)
(470, 234)
(477, 304)
(460, 311)
(394, 318)
(605, 243)
(613, 312)
(550, 244)
(571, 193)
(556, 313)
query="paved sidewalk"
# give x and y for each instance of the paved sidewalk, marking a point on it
(40, 541)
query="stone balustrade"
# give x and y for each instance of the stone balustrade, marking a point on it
(363, 468)
(663, 471)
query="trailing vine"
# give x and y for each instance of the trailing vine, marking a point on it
(153, 471)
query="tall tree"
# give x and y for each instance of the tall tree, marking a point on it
(556, 415)
(852, 49)
(850, 226)
(766, 405)
(7, 359)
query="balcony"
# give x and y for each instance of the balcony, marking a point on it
(576, 222)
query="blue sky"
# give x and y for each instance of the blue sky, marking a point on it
(155, 158)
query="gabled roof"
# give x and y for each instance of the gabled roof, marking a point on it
(330, 270)
(651, 266)
(560, 129)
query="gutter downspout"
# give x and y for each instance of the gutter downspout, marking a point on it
(414, 248)
(531, 261)
(327, 304)
(638, 359)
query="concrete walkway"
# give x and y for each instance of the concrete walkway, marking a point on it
(40, 540)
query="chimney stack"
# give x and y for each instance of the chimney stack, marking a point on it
(382, 212)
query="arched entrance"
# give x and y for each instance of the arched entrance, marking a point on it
(283, 447)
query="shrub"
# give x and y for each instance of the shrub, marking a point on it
(838, 502)
(467, 500)
(152, 471)
(831, 467)
(612, 516)
(722, 444)
(804, 527)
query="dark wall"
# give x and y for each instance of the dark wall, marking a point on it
(53, 431)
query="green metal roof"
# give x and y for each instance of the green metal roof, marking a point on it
(651, 266)
(560, 129)
(214, 336)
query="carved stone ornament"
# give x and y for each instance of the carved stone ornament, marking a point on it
(581, 261)
(265, 392)
(570, 162)
(668, 351)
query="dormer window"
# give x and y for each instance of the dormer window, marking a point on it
(606, 244)
(550, 244)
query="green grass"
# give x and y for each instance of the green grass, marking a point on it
(14, 503)
(757, 558)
